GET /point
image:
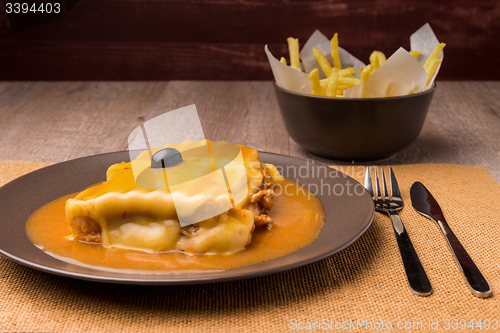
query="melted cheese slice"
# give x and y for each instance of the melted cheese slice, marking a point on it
(135, 217)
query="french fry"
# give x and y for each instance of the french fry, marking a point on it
(293, 49)
(337, 79)
(434, 55)
(315, 84)
(431, 69)
(283, 61)
(340, 86)
(415, 54)
(323, 83)
(365, 74)
(349, 81)
(377, 58)
(343, 81)
(323, 63)
(335, 52)
(347, 72)
(331, 89)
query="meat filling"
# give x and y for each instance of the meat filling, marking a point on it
(264, 220)
(260, 203)
(263, 200)
(263, 197)
(88, 229)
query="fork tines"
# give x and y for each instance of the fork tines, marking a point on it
(384, 194)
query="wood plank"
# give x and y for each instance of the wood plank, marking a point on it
(52, 122)
(365, 22)
(223, 39)
(56, 60)
(57, 121)
(237, 112)
(130, 61)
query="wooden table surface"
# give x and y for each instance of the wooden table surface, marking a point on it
(58, 121)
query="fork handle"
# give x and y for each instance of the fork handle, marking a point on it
(418, 280)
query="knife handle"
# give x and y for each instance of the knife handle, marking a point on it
(418, 280)
(477, 282)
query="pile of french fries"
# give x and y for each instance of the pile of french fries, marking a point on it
(339, 79)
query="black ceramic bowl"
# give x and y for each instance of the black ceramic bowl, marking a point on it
(359, 129)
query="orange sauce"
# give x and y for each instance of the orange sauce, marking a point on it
(298, 218)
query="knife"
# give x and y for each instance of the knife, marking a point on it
(423, 201)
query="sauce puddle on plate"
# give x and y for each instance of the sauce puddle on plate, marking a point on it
(298, 218)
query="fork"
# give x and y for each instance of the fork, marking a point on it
(418, 280)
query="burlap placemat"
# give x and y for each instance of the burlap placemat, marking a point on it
(364, 284)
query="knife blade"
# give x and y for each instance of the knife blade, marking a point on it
(423, 201)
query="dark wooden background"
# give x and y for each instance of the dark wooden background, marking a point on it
(224, 39)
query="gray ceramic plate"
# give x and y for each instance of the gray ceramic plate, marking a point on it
(347, 217)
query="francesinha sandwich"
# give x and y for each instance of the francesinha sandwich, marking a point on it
(208, 201)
